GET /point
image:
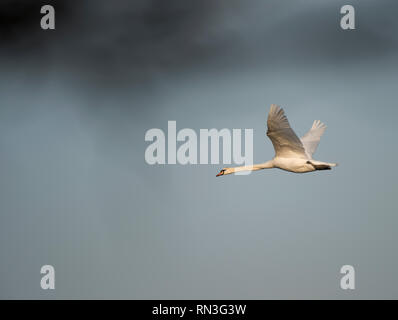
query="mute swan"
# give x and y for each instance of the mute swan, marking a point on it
(291, 153)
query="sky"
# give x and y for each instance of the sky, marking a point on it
(76, 192)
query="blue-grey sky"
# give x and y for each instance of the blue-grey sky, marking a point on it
(76, 192)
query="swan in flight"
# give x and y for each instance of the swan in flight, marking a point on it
(291, 153)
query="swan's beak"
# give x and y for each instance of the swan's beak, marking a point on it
(220, 173)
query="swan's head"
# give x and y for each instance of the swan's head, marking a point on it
(225, 171)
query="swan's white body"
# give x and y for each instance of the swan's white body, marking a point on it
(291, 153)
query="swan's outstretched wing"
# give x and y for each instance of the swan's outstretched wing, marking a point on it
(311, 139)
(285, 141)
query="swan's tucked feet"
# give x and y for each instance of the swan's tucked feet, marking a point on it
(320, 166)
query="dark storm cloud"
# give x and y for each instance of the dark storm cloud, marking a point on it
(315, 33)
(20, 30)
(117, 42)
(113, 39)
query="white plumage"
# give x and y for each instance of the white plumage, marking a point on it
(311, 139)
(285, 141)
(291, 153)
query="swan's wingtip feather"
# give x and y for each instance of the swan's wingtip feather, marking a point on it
(318, 124)
(274, 108)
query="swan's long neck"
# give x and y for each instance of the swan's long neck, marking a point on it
(255, 167)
